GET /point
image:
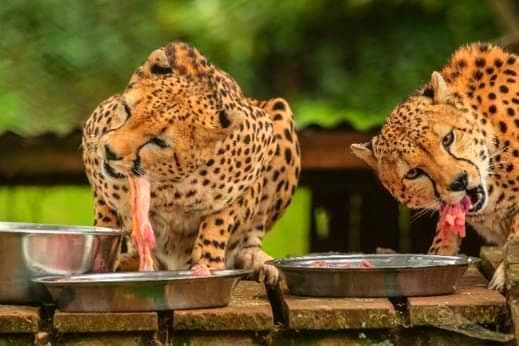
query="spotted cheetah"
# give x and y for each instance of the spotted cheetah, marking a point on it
(223, 167)
(457, 136)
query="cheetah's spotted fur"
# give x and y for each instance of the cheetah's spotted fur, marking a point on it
(222, 167)
(457, 135)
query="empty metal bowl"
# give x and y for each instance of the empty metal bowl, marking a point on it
(29, 251)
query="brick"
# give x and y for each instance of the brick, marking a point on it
(511, 255)
(108, 339)
(514, 309)
(19, 319)
(321, 313)
(512, 249)
(339, 313)
(512, 279)
(17, 339)
(220, 339)
(93, 322)
(491, 257)
(472, 303)
(249, 309)
(333, 314)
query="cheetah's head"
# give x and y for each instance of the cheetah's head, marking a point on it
(429, 152)
(175, 110)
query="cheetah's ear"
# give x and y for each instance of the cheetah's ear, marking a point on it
(156, 64)
(186, 60)
(440, 88)
(364, 151)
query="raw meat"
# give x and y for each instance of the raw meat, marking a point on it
(452, 218)
(200, 270)
(142, 233)
(324, 264)
(366, 264)
(319, 264)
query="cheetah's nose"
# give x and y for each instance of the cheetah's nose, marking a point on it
(110, 155)
(460, 182)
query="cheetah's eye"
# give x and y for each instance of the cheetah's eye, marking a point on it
(448, 139)
(413, 173)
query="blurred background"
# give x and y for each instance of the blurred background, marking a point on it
(342, 65)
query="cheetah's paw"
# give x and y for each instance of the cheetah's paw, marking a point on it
(269, 275)
(498, 280)
(254, 259)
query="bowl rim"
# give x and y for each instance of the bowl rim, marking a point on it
(296, 263)
(131, 278)
(43, 228)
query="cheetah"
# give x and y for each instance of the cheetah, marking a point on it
(457, 137)
(222, 167)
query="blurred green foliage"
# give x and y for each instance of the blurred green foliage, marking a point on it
(335, 61)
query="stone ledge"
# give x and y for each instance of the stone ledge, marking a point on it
(91, 322)
(472, 303)
(19, 319)
(477, 305)
(249, 310)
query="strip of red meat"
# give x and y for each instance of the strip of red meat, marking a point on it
(366, 264)
(142, 232)
(324, 264)
(319, 264)
(452, 218)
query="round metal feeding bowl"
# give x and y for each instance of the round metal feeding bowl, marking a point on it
(394, 275)
(31, 250)
(142, 291)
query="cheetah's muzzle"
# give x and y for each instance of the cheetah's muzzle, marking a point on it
(478, 197)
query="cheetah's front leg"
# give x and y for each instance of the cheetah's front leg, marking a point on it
(211, 243)
(210, 248)
(445, 244)
(250, 256)
(104, 216)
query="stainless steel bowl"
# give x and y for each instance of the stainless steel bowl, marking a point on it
(392, 275)
(34, 250)
(142, 291)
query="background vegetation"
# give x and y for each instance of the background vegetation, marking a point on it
(338, 63)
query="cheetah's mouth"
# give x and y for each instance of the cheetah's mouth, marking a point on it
(478, 198)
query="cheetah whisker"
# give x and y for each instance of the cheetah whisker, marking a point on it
(423, 212)
(498, 152)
